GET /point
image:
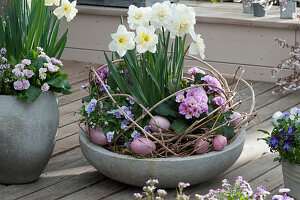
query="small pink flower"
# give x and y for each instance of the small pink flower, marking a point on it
(26, 84)
(219, 101)
(180, 97)
(26, 62)
(45, 87)
(183, 108)
(18, 85)
(213, 81)
(203, 107)
(189, 114)
(195, 70)
(28, 73)
(52, 68)
(191, 101)
(17, 72)
(56, 61)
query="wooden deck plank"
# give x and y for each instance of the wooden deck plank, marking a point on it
(98, 191)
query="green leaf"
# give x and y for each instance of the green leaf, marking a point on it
(61, 83)
(179, 126)
(276, 159)
(266, 132)
(33, 94)
(227, 131)
(167, 108)
(198, 78)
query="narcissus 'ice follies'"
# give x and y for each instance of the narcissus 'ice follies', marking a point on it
(146, 39)
(198, 46)
(66, 9)
(162, 14)
(184, 19)
(122, 41)
(52, 2)
(139, 16)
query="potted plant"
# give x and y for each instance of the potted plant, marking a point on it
(247, 6)
(260, 7)
(143, 118)
(287, 9)
(285, 139)
(291, 82)
(30, 77)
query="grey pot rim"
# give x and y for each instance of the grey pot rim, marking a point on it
(238, 140)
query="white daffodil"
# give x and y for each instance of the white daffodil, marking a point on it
(146, 39)
(52, 2)
(122, 41)
(66, 9)
(198, 46)
(161, 14)
(184, 19)
(138, 16)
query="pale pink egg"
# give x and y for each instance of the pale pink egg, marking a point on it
(142, 146)
(219, 142)
(204, 145)
(98, 136)
(236, 115)
(162, 122)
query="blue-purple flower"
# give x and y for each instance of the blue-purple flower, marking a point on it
(91, 106)
(135, 134)
(274, 141)
(286, 146)
(110, 136)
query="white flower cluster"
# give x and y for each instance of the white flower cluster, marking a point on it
(178, 19)
(66, 8)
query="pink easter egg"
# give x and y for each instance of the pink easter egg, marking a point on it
(236, 115)
(219, 142)
(204, 145)
(142, 146)
(162, 122)
(98, 136)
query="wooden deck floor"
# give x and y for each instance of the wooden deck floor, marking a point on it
(69, 176)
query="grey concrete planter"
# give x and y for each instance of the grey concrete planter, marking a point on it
(258, 10)
(192, 169)
(291, 177)
(27, 137)
(287, 9)
(121, 3)
(247, 8)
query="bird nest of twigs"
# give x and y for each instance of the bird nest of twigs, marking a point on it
(168, 143)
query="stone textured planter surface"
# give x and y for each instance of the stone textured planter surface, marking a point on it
(192, 169)
(258, 10)
(287, 10)
(291, 177)
(247, 8)
(27, 137)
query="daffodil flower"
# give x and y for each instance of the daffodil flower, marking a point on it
(138, 16)
(52, 2)
(162, 15)
(66, 9)
(198, 46)
(184, 19)
(122, 41)
(146, 39)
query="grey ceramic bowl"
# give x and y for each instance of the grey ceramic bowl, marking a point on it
(169, 171)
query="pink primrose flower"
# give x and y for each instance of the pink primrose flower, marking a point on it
(213, 81)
